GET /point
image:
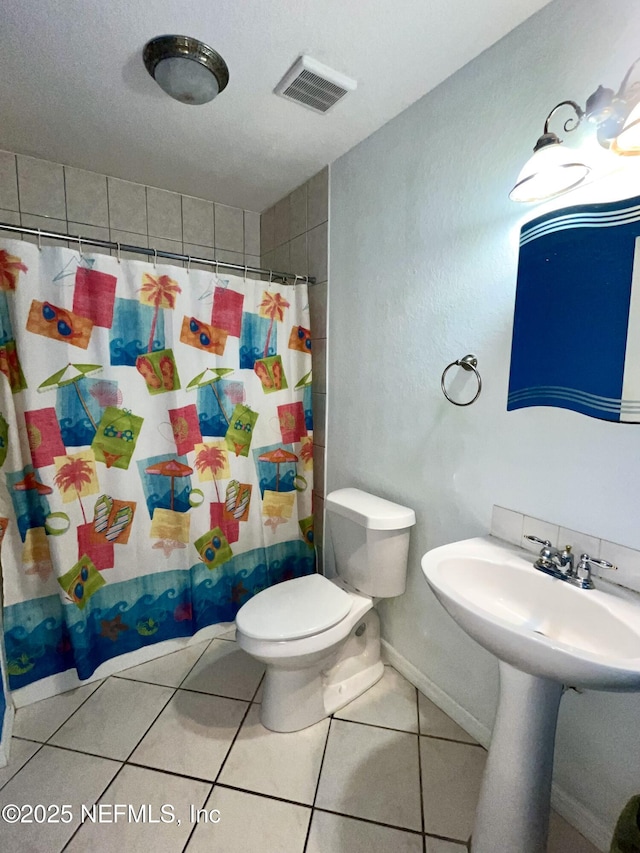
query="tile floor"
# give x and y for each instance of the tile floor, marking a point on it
(388, 772)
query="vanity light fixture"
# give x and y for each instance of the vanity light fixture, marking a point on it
(187, 69)
(553, 170)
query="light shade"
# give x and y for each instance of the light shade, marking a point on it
(628, 140)
(185, 68)
(551, 170)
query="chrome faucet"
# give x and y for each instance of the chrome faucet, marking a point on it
(560, 564)
(583, 570)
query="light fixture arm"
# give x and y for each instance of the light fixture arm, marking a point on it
(571, 123)
(548, 136)
(616, 117)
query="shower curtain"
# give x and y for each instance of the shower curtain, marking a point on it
(156, 453)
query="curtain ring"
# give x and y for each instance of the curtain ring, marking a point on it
(118, 252)
(39, 241)
(245, 272)
(80, 246)
(270, 276)
(217, 265)
(188, 264)
(155, 258)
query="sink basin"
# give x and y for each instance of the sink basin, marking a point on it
(545, 633)
(538, 624)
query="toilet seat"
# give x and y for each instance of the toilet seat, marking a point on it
(294, 609)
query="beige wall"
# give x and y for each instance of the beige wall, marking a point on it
(294, 239)
(41, 194)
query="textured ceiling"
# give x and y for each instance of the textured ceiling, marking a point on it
(73, 88)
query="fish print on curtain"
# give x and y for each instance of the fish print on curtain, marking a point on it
(155, 452)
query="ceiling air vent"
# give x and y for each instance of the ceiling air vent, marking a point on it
(314, 85)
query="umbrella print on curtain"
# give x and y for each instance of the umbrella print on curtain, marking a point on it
(86, 582)
(71, 375)
(171, 469)
(211, 376)
(277, 506)
(278, 456)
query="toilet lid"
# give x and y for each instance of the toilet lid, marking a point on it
(294, 609)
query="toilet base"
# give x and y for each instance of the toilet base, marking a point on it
(295, 698)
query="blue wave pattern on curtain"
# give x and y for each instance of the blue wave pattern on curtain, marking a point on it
(156, 447)
(575, 312)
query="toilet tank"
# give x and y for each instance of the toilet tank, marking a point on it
(370, 537)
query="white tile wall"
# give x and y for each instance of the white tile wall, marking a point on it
(8, 181)
(251, 233)
(294, 237)
(41, 186)
(164, 214)
(40, 194)
(197, 221)
(127, 206)
(229, 227)
(87, 199)
(512, 526)
(318, 199)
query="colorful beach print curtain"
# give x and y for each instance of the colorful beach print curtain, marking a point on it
(155, 451)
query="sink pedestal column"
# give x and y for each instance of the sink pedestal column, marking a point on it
(513, 809)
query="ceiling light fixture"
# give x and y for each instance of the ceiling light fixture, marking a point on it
(187, 69)
(553, 170)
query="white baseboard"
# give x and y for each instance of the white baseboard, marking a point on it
(458, 714)
(567, 806)
(63, 681)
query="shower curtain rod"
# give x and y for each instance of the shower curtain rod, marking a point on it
(156, 253)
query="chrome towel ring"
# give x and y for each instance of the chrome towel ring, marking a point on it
(467, 362)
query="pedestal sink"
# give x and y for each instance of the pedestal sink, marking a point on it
(545, 633)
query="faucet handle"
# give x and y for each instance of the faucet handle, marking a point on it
(544, 542)
(583, 570)
(603, 564)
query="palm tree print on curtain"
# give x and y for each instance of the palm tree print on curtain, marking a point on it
(75, 474)
(178, 555)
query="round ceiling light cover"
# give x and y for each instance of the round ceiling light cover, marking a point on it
(185, 68)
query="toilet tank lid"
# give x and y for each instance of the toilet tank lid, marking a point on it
(369, 510)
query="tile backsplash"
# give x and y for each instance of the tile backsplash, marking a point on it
(46, 195)
(513, 526)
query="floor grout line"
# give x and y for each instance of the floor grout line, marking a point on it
(264, 796)
(375, 822)
(315, 795)
(97, 799)
(195, 824)
(73, 713)
(184, 689)
(407, 732)
(11, 778)
(152, 723)
(235, 737)
(420, 790)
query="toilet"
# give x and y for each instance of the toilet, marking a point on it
(320, 637)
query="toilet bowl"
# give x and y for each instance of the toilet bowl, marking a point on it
(320, 638)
